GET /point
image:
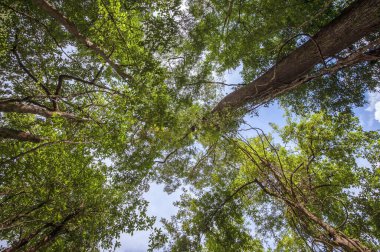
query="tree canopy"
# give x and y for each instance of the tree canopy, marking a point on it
(98, 99)
(312, 187)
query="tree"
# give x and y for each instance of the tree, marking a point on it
(78, 136)
(98, 98)
(63, 199)
(305, 188)
(235, 36)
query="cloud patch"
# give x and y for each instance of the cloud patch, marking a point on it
(374, 104)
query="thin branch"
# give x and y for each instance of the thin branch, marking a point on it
(23, 67)
(62, 77)
(115, 23)
(217, 83)
(74, 31)
(43, 25)
(18, 156)
(167, 157)
(194, 169)
(229, 198)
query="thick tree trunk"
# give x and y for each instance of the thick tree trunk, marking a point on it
(359, 20)
(19, 135)
(73, 30)
(20, 107)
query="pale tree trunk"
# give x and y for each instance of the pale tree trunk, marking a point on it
(359, 20)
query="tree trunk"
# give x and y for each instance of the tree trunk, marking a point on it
(338, 238)
(19, 135)
(359, 20)
(74, 31)
(49, 237)
(24, 241)
(53, 234)
(20, 107)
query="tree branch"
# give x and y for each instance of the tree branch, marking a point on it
(23, 67)
(351, 26)
(19, 135)
(74, 31)
(18, 156)
(22, 107)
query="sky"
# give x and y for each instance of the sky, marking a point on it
(161, 204)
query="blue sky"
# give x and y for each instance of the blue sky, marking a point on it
(161, 204)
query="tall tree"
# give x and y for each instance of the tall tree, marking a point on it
(315, 39)
(86, 107)
(64, 199)
(97, 98)
(306, 190)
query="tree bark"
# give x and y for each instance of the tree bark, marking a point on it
(359, 20)
(19, 135)
(55, 232)
(20, 107)
(74, 31)
(338, 238)
(49, 237)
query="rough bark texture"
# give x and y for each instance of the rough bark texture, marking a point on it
(20, 107)
(339, 239)
(73, 30)
(19, 135)
(360, 19)
(297, 197)
(335, 237)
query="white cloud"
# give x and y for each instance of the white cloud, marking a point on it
(377, 111)
(374, 104)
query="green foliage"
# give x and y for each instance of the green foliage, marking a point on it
(103, 137)
(40, 193)
(251, 32)
(338, 93)
(255, 187)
